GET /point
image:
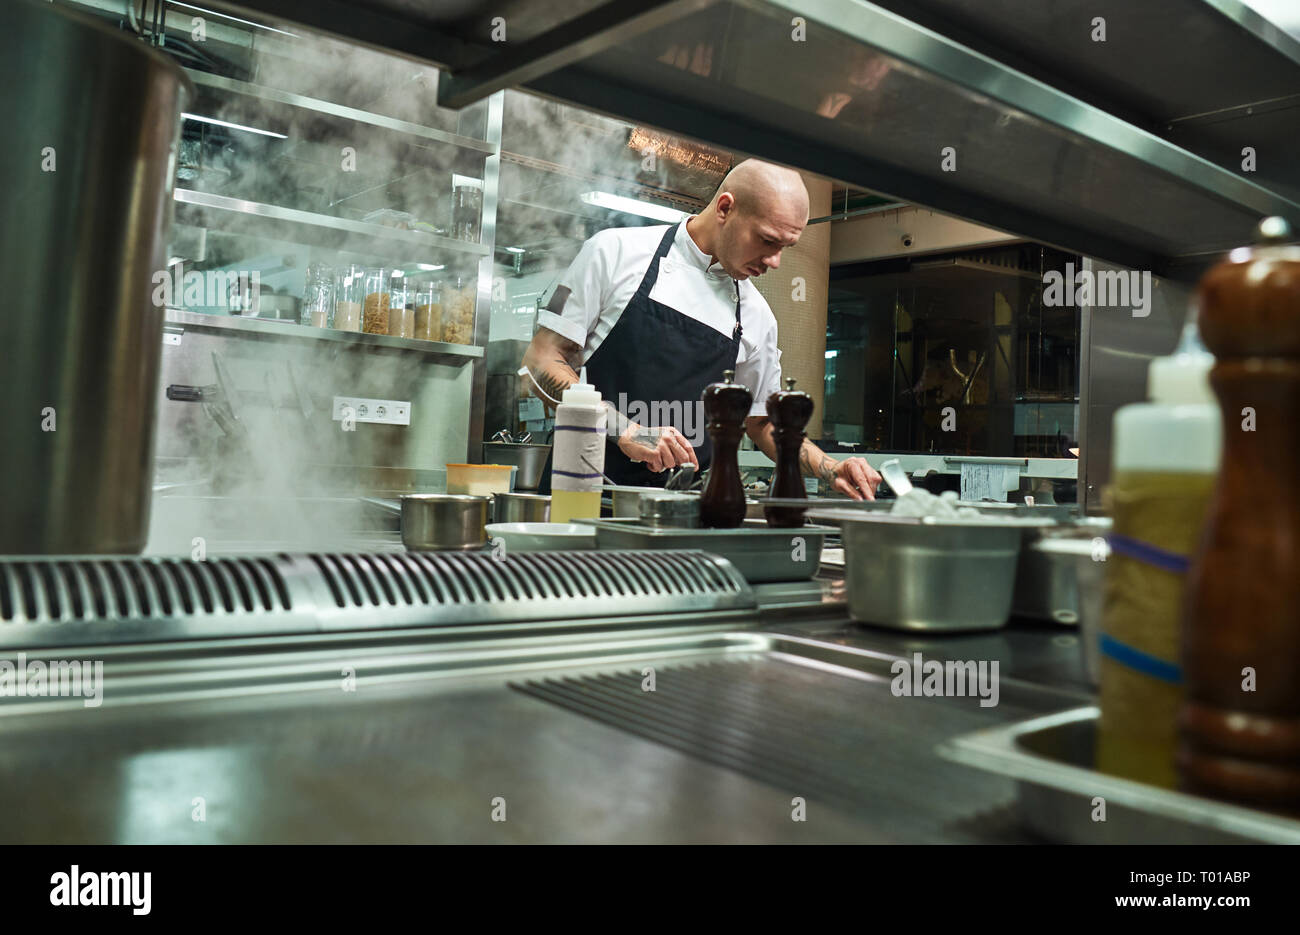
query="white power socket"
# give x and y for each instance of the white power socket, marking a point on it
(386, 411)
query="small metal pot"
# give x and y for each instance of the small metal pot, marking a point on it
(444, 521)
(529, 459)
(521, 508)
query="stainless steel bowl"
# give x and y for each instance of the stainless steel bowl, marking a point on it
(530, 459)
(903, 573)
(444, 521)
(521, 508)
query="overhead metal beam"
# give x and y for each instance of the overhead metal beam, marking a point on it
(596, 31)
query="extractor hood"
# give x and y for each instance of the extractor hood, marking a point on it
(855, 91)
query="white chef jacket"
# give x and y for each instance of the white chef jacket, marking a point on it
(610, 266)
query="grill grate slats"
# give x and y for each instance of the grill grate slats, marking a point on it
(305, 592)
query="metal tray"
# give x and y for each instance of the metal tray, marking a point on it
(758, 551)
(1051, 758)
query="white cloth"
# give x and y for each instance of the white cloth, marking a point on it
(608, 269)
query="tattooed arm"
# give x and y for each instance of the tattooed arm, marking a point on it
(554, 362)
(852, 476)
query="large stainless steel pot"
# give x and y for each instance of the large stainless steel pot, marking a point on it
(436, 521)
(91, 120)
(530, 459)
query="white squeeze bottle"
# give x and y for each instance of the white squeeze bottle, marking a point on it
(577, 453)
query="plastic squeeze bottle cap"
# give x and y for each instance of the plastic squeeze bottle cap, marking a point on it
(1182, 378)
(581, 393)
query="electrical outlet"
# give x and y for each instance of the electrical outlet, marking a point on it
(386, 411)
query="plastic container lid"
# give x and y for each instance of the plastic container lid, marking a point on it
(581, 393)
(1183, 376)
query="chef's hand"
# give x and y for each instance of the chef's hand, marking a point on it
(857, 478)
(660, 449)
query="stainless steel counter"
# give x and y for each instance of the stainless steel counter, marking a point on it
(270, 740)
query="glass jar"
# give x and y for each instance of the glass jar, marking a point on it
(466, 207)
(349, 293)
(374, 307)
(458, 297)
(318, 296)
(428, 311)
(401, 312)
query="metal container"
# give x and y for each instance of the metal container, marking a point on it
(521, 508)
(1052, 761)
(625, 502)
(91, 117)
(1048, 585)
(910, 574)
(681, 510)
(530, 459)
(437, 521)
(758, 552)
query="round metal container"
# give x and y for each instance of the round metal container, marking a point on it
(91, 117)
(521, 508)
(530, 459)
(444, 521)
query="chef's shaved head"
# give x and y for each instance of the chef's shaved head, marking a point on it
(758, 210)
(761, 187)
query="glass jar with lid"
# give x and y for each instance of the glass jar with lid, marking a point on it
(374, 307)
(466, 207)
(349, 293)
(458, 297)
(428, 310)
(401, 311)
(318, 296)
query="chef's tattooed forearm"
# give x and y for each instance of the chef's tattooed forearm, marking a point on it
(816, 463)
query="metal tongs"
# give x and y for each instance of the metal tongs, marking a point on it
(504, 436)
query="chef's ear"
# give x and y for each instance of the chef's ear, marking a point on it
(726, 205)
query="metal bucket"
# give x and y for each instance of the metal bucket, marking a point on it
(530, 459)
(92, 118)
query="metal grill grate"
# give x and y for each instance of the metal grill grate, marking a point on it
(404, 579)
(90, 589)
(64, 601)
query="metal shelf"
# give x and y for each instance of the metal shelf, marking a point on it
(451, 353)
(302, 102)
(286, 224)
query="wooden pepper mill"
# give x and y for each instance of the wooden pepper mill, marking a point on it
(1240, 723)
(789, 411)
(726, 405)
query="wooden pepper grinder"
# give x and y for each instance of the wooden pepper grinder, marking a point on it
(1240, 721)
(726, 405)
(789, 412)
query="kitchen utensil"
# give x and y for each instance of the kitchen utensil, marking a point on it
(84, 240)
(520, 508)
(543, 537)
(681, 479)
(789, 412)
(530, 459)
(726, 404)
(433, 521)
(897, 479)
(605, 477)
(479, 479)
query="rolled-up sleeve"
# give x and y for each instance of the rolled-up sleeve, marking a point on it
(580, 293)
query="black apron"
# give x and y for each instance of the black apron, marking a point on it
(655, 354)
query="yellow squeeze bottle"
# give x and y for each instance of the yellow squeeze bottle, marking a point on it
(577, 453)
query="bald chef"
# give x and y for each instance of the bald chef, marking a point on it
(658, 313)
